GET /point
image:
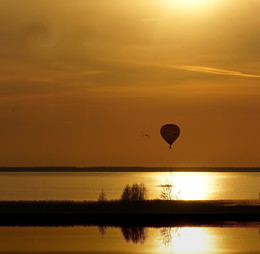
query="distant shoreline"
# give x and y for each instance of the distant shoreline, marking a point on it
(129, 169)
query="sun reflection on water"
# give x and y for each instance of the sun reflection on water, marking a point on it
(189, 185)
(186, 240)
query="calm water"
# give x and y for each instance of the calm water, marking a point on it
(129, 240)
(87, 186)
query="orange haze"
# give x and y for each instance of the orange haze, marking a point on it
(81, 82)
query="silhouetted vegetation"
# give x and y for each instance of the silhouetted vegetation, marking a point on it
(134, 207)
(125, 214)
(102, 196)
(136, 192)
(166, 192)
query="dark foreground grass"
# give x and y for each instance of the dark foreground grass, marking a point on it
(132, 207)
(119, 213)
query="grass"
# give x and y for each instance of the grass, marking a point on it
(132, 213)
(132, 207)
(215, 209)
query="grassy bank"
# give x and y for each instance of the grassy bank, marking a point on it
(132, 207)
(145, 213)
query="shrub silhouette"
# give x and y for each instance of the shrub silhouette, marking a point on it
(136, 192)
(102, 196)
(126, 194)
(167, 190)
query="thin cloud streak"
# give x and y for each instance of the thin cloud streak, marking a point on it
(211, 70)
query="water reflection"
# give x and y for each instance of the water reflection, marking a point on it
(134, 234)
(191, 186)
(208, 240)
(87, 186)
(193, 240)
(167, 235)
(138, 235)
(179, 239)
(102, 230)
(87, 239)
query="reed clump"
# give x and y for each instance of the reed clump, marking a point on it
(136, 192)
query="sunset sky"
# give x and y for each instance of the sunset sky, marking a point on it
(82, 81)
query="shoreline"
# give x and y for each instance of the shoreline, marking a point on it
(128, 169)
(145, 220)
(153, 213)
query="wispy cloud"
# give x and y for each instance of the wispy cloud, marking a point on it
(217, 71)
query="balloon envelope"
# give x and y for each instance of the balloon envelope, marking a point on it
(170, 132)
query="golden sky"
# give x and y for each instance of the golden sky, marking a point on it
(81, 82)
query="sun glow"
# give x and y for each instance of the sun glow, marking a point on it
(190, 186)
(192, 240)
(190, 3)
(186, 240)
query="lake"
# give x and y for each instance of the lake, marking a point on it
(87, 186)
(235, 238)
(80, 239)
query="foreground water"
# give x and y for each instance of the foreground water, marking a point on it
(87, 186)
(129, 240)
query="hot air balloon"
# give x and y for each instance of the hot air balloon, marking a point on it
(170, 132)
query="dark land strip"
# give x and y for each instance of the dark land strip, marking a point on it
(129, 169)
(155, 213)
